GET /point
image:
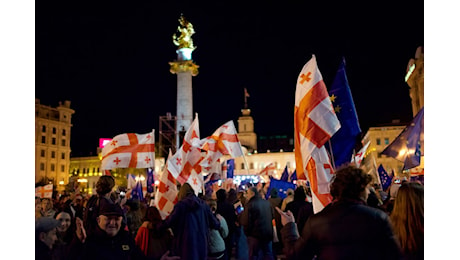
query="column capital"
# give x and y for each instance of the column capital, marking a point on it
(183, 66)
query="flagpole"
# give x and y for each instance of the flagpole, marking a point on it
(332, 154)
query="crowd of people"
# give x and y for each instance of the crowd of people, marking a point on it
(362, 222)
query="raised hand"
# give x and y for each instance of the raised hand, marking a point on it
(81, 232)
(286, 217)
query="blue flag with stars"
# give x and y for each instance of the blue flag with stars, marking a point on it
(408, 146)
(385, 179)
(343, 141)
(150, 180)
(293, 176)
(280, 186)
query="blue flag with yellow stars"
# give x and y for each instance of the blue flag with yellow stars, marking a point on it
(385, 179)
(343, 141)
(408, 146)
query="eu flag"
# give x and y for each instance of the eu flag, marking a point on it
(137, 191)
(285, 175)
(230, 168)
(280, 186)
(293, 176)
(150, 180)
(385, 179)
(343, 141)
(408, 146)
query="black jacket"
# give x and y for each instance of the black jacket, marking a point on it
(256, 219)
(100, 246)
(343, 230)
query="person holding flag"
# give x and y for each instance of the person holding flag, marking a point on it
(346, 228)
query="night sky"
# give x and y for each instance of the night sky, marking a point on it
(111, 61)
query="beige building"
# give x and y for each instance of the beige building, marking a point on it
(52, 143)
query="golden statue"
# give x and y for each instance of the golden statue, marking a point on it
(185, 30)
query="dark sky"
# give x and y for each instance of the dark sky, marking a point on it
(111, 61)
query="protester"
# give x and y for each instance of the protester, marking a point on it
(153, 242)
(108, 240)
(65, 233)
(216, 243)
(133, 215)
(189, 221)
(226, 210)
(256, 220)
(104, 187)
(289, 198)
(275, 201)
(407, 219)
(241, 246)
(346, 228)
(45, 237)
(38, 208)
(48, 208)
(301, 209)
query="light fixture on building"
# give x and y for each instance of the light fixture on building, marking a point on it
(82, 180)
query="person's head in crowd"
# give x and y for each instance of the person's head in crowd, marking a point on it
(221, 195)
(152, 214)
(105, 185)
(289, 192)
(273, 193)
(78, 200)
(45, 230)
(212, 204)
(110, 218)
(407, 216)
(185, 191)
(65, 220)
(350, 182)
(252, 192)
(47, 204)
(299, 194)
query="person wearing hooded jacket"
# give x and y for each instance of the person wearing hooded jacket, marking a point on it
(189, 220)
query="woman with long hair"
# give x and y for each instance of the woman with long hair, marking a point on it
(408, 220)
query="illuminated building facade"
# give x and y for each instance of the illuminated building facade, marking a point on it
(52, 143)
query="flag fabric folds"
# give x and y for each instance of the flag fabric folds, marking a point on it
(224, 141)
(293, 176)
(131, 182)
(268, 170)
(385, 179)
(129, 151)
(408, 146)
(285, 174)
(184, 165)
(359, 156)
(44, 191)
(315, 122)
(137, 191)
(166, 194)
(280, 186)
(344, 140)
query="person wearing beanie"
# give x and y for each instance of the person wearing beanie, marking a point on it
(45, 237)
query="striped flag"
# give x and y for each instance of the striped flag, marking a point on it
(166, 194)
(184, 165)
(129, 151)
(314, 122)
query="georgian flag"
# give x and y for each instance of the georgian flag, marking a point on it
(314, 122)
(166, 194)
(129, 151)
(358, 157)
(224, 141)
(184, 165)
(268, 170)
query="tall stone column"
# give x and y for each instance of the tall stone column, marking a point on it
(184, 68)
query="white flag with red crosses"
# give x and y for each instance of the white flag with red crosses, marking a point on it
(129, 151)
(224, 141)
(184, 165)
(268, 170)
(166, 195)
(359, 156)
(314, 124)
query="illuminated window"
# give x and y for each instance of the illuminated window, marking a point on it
(42, 153)
(54, 130)
(378, 141)
(53, 154)
(387, 141)
(63, 142)
(52, 167)
(43, 140)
